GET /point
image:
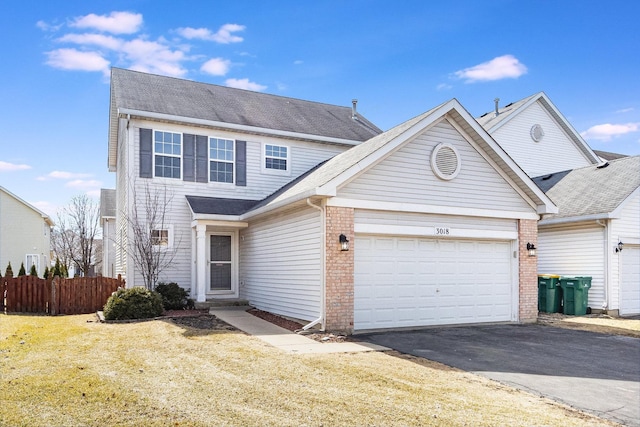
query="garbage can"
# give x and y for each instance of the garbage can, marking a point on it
(549, 293)
(575, 292)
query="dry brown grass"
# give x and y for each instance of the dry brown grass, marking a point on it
(71, 371)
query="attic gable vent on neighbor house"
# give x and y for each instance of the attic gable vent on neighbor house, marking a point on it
(445, 161)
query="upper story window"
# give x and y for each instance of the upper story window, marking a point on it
(167, 154)
(275, 158)
(221, 158)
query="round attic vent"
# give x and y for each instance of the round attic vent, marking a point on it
(445, 161)
(537, 133)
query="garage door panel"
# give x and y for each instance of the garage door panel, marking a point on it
(630, 280)
(403, 281)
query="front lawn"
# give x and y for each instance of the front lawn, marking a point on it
(73, 371)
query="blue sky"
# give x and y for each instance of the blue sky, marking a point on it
(398, 59)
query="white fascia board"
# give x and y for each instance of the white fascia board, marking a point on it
(428, 209)
(225, 221)
(455, 233)
(236, 127)
(273, 206)
(570, 219)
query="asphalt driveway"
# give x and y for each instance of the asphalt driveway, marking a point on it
(594, 372)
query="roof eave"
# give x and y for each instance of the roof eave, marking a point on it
(126, 112)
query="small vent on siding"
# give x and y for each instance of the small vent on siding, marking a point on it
(445, 161)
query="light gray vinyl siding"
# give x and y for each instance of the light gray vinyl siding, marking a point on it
(406, 177)
(281, 264)
(627, 230)
(575, 250)
(23, 231)
(363, 216)
(304, 156)
(554, 153)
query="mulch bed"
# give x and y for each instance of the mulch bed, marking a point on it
(297, 327)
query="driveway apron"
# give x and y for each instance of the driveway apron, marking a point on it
(596, 373)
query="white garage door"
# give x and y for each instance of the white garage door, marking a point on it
(630, 281)
(405, 281)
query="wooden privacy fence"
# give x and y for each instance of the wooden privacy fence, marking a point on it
(79, 295)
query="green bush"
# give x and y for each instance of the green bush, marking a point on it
(133, 303)
(173, 296)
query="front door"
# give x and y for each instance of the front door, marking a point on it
(220, 260)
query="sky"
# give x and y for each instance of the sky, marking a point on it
(398, 58)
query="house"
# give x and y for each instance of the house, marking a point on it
(309, 211)
(596, 231)
(25, 234)
(598, 201)
(537, 136)
(108, 224)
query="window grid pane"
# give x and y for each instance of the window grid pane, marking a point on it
(168, 149)
(221, 172)
(275, 157)
(221, 149)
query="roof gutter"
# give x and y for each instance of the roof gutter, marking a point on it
(565, 220)
(127, 112)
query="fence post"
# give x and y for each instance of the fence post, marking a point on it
(54, 302)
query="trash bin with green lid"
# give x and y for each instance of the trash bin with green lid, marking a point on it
(575, 292)
(549, 293)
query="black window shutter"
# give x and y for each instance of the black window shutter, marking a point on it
(146, 153)
(188, 158)
(241, 163)
(202, 159)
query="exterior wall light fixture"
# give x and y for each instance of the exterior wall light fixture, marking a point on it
(619, 246)
(344, 243)
(532, 249)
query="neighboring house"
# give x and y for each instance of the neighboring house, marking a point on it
(538, 137)
(267, 191)
(598, 206)
(108, 224)
(25, 234)
(606, 155)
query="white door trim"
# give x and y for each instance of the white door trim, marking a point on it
(233, 292)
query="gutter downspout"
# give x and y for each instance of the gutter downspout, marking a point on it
(323, 277)
(607, 262)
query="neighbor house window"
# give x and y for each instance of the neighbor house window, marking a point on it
(221, 159)
(167, 154)
(32, 259)
(160, 238)
(276, 157)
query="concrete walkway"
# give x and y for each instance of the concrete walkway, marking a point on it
(282, 338)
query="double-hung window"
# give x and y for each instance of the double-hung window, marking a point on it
(276, 157)
(162, 238)
(221, 158)
(167, 154)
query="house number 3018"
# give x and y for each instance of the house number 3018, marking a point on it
(443, 231)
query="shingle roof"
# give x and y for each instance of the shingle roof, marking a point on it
(185, 98)
(607, 155)
(594, 190)
(219, 206)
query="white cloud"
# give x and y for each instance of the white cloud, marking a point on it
(223, 35)
(115, 22)
(73, 59)
(84, 184)
(154, 57)
(94, 193)
(11, 167)
(502, 67)
(443, 86)
(216, 66)
(625, 110)
(298, 62)
(48, 27)
(100, 40)
(244, 84)
(63, 175)
(46, 207)
(607, 131)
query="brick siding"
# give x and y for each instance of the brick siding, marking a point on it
(339, 270)
(528, 277)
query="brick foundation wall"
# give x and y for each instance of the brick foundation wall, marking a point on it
(339, 270)
(528, 271)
